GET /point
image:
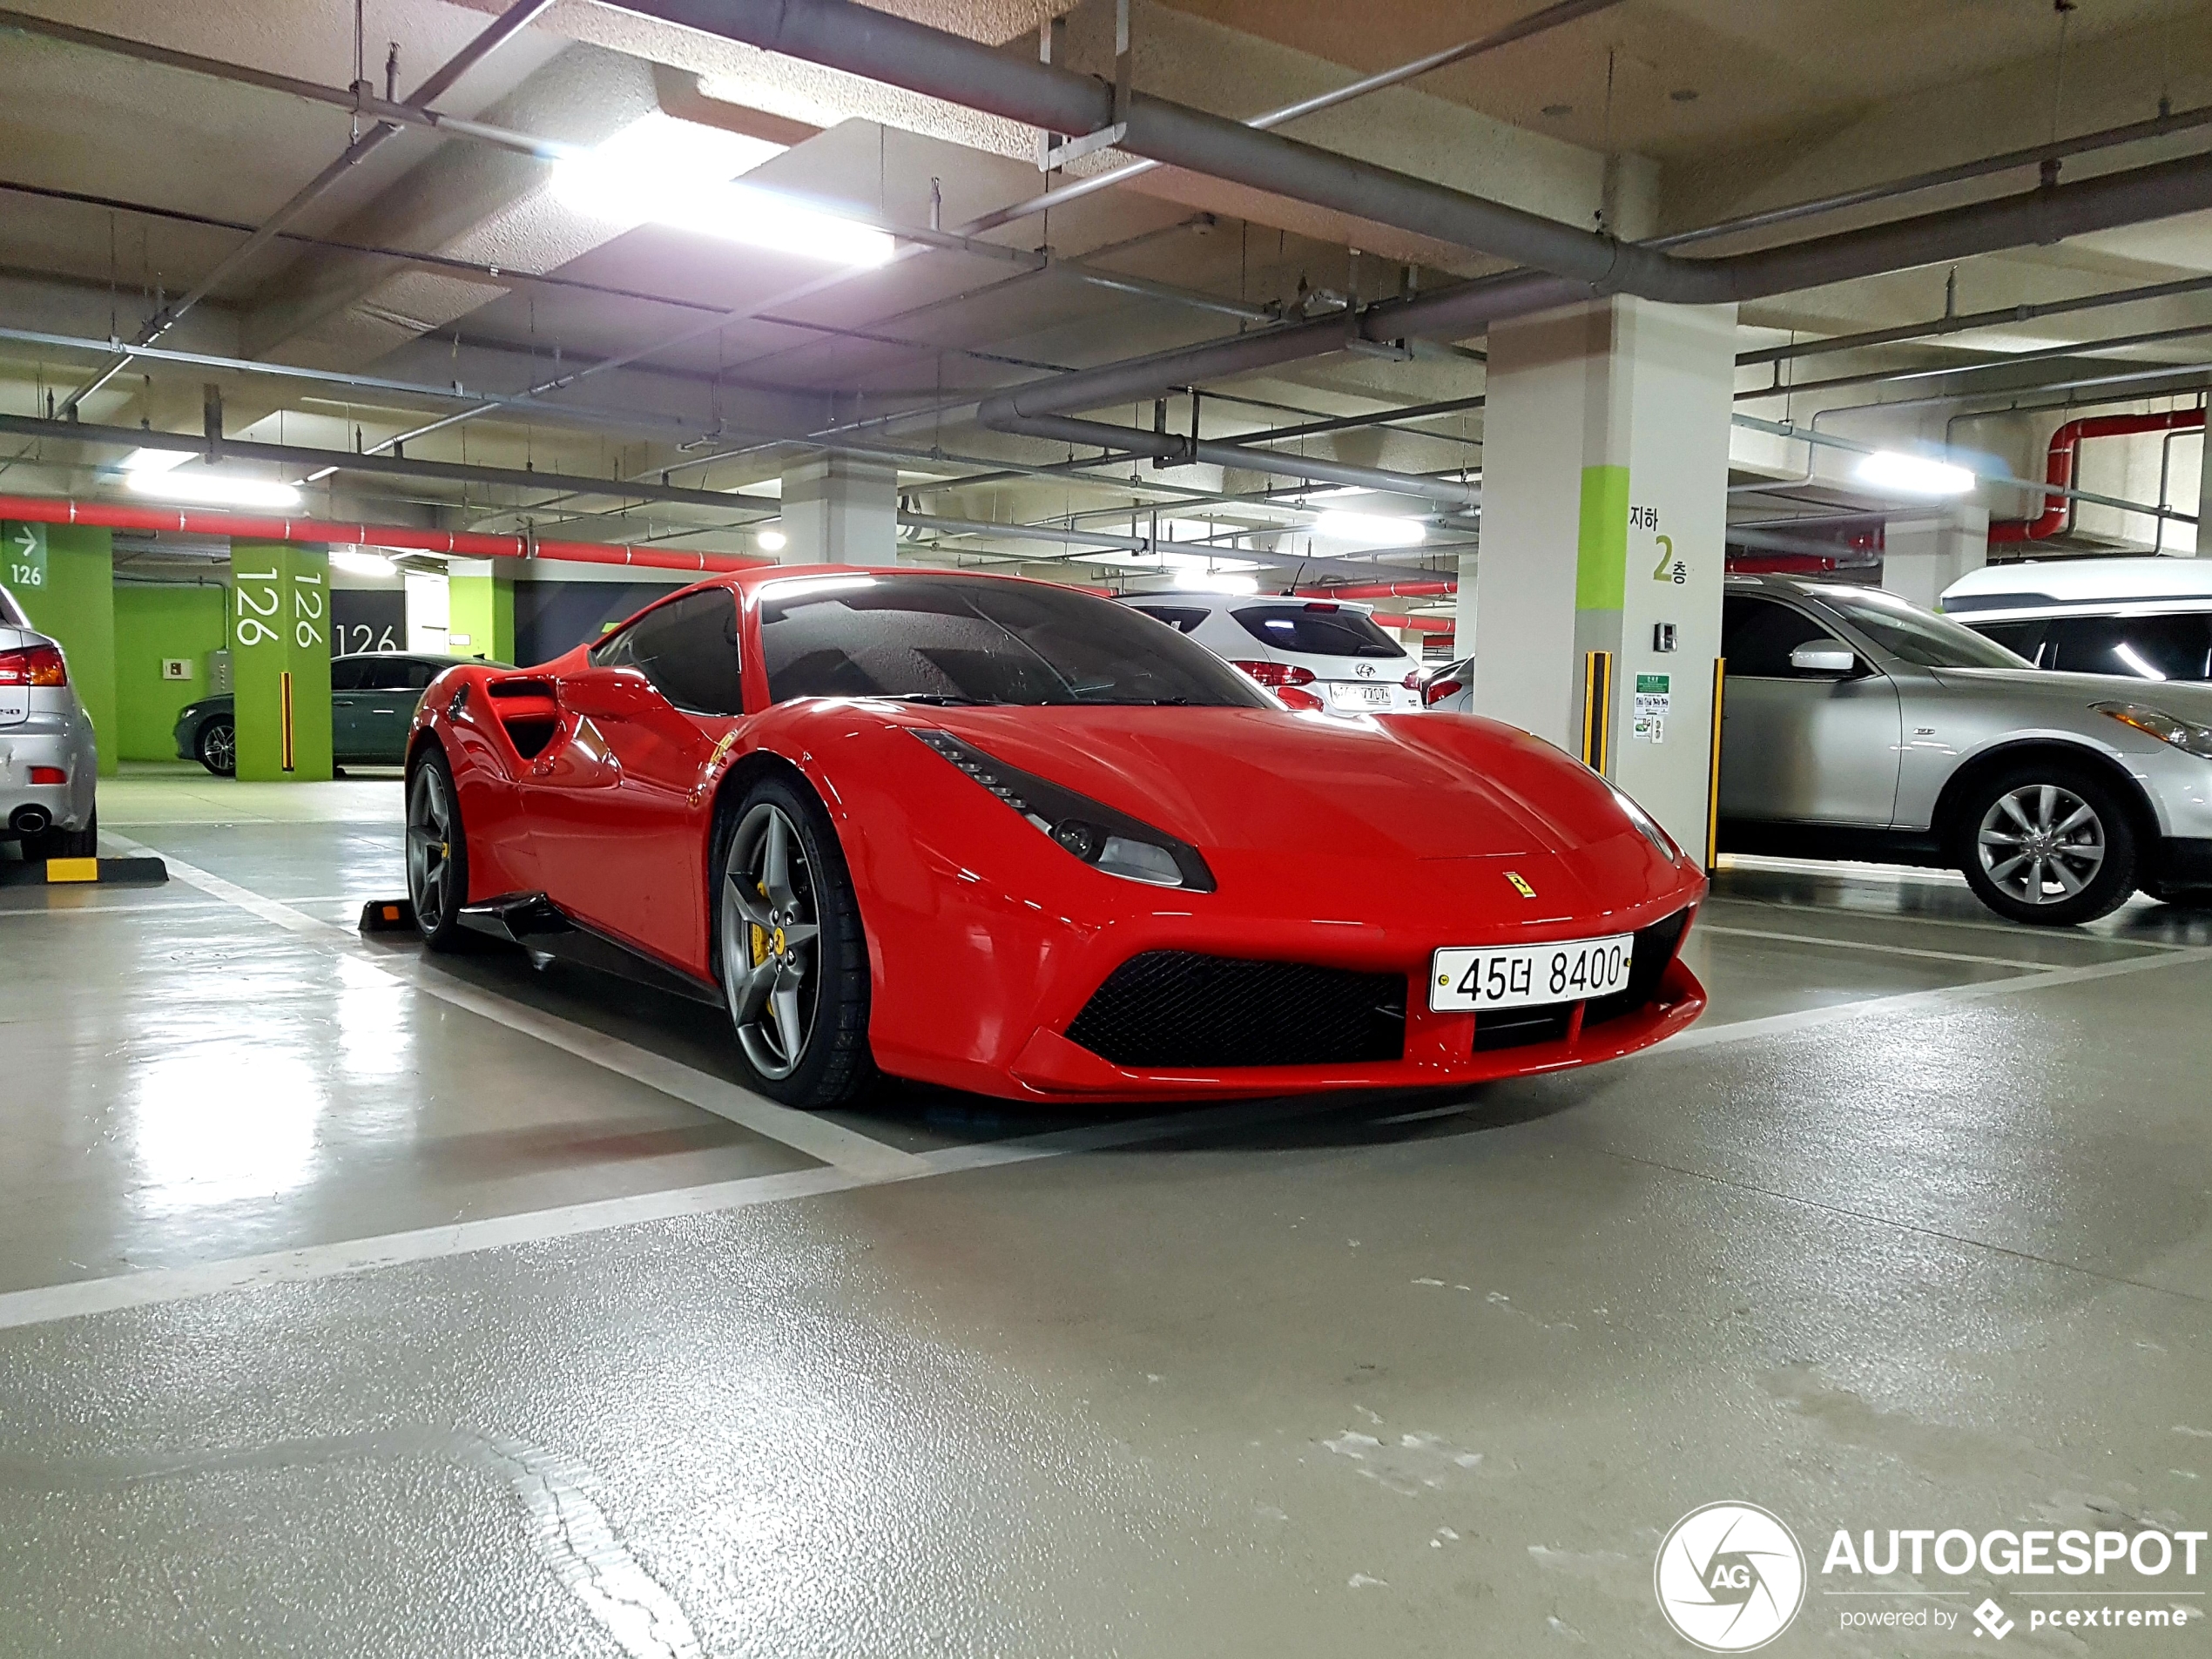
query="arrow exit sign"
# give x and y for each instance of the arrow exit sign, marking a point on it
(23, 565)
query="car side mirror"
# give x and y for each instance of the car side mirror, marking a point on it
(609, 693)
(1822, 657)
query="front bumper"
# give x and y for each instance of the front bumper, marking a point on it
(64, 743)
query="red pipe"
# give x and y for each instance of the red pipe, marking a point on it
(1417, 624)
(2058, 466)
(1421, 590)
(41, 509)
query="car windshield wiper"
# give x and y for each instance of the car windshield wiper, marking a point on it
(943, 699)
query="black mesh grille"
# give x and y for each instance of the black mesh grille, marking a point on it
(1516, 1027)
(1174, 1008)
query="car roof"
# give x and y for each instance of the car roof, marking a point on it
(1215, 601)
(2038, 585)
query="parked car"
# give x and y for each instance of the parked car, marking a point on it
(1008, 837)
(373, 696)
(1859, 725)
(2146, 618)
(1450, 689)
(50, 760)
(1326, 654)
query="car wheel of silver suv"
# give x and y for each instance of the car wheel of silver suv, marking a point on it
(2047, 843)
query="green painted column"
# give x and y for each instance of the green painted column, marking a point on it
(63, 576)
(480, 614)
(280, 661)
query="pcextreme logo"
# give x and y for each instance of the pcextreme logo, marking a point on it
(1729, 1577)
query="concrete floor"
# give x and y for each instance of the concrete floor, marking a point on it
(354, 1303)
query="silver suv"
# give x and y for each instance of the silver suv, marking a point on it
(49, 763)
(1858, 725)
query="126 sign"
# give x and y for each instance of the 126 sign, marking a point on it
(26, 558)
(260, 604)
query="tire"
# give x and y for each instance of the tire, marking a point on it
(66, 843)
(2047, 842)
(437, 852)
(792, 958)
(217, 748)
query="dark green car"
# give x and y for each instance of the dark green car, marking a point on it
(372, 703)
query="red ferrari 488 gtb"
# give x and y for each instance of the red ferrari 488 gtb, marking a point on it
(1013, 838)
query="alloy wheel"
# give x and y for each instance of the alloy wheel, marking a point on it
(771, 932)
(2041, 843)
(218, 748)
(429, 846)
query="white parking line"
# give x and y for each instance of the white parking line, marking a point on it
(2010, 929)
(817, 1136)
(160, 1286)
(1868, 944)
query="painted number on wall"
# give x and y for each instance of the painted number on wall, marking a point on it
(1669, 569)
(350, 638)
(308, 611)
(258, 602)
(26, 557)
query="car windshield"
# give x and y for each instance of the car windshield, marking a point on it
(1918, 636)
(952, 640)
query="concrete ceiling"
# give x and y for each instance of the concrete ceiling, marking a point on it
(1792, 102)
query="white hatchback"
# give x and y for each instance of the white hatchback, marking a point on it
(1324, 654)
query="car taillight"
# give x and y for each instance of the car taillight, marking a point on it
(1411, 680)
(48, 775)
(33, 666)
(1276, 675)
(1439, 688)
(1302, 701)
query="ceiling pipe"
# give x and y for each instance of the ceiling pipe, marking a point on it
(193, 521)
(1569, 263)
(489, 40)
(1381, 589)
(2058, 468)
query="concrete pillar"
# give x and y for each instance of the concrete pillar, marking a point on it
(280, 661)
(839, 510)
(2202, 542)
(1923, 556)
(63, 577)
(1463, 606)
(1604, 508)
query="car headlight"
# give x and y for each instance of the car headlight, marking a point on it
(1102, 838)
(1644, 821)
(2182, 734)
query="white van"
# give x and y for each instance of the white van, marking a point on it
(2145, 619)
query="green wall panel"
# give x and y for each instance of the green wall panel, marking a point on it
(154, 625)
(481, 607)
(280, 627)
(70, 594)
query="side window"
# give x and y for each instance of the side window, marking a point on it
(346, 673)
(2021, 639)
(1758, 635)
(2149, 648)
(420, 674)
(385, 674)
(688, 649)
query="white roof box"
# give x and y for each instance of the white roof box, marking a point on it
(2039, 585)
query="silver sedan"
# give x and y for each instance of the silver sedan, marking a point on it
(48, 762)
(1858, 725)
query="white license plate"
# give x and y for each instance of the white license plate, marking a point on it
(1351, 694)
(1463, 982)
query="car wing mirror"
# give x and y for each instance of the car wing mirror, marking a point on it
(608, 693)
(1822, 657)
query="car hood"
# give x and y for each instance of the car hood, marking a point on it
(1413, 786)
(2045, 686)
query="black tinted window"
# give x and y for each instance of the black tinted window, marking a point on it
(1182, 619)
(389, 674)
(420, 674)
(972, 640)
(346, 673)
(2151, 647)
(1318, 629)
(688, 649)
(1758, 635)
(2021, 639)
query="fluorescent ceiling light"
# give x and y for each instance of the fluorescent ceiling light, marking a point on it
(1913, 475)
(1373, 528)
(361, 562)
(772, 541)
(155, 460)
(212, 489)
(661, 171)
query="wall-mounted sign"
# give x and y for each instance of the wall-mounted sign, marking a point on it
(22, 563)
